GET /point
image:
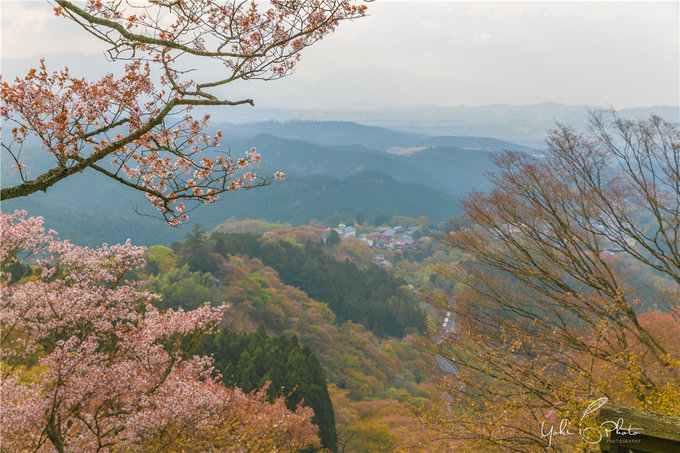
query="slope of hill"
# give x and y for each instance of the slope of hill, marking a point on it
(84, 226)
(366, 372)
(250, 360)
(369, 295)
(442, 167)
(88, 208)
(304, 198)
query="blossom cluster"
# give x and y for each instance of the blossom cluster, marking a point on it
(81, 122)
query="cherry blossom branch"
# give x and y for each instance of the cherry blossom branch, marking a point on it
(83, 124)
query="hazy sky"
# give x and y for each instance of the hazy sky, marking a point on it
(449, 53)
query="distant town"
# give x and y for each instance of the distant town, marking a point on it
(384, 237)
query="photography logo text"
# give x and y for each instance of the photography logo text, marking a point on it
(589, 434)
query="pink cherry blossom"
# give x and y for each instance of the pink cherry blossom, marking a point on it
(90, 364)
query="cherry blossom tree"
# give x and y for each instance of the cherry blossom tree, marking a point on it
(89, 364)
(137, 129)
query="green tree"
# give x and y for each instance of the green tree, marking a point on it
(403, 221)
(249, 360)
(159, 259)
(196, 251)
(333, 238)
(182, 288)
(423, 222)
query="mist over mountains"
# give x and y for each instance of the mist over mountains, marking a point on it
(525, 125)
(331, 167)
(342, 133)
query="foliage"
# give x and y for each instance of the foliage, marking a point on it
(381, 426)
(258, 296)
(251, 360)
(380, 219)
(548, 312)
(201, 257)
(333, 238)
(89, 363)
(251, 226)
(182, 288)
(362, 365)
(354, 359)
(370, 296)
(159, 259)
(131, 122)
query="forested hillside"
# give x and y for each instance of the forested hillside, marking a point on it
(366, 373)
(251, 360)
(111, 215)
(369, 296)
(365, 338)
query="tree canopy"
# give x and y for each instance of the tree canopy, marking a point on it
(370, 296)
(251, 360)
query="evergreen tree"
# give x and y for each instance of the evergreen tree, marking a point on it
(196, 250)
(249, 360)
(334, 238)
(334, 220)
